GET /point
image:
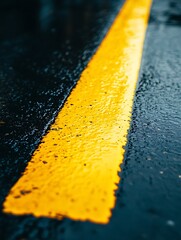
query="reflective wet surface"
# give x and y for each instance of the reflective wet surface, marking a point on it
(39, 66)
(41, 59)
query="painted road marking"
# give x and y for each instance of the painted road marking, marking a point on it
(74, 171)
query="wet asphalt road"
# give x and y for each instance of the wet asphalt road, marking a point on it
(43, 50)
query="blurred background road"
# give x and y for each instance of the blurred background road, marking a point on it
(44, 47)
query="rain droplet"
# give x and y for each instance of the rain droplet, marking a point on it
(170, 223)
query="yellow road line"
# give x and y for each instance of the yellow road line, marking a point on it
(74, 171)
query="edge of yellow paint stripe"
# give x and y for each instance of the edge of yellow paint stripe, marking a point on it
(74, 171)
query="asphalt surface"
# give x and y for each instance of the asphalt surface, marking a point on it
(41, 59)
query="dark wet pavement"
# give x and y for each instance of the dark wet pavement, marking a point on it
(41, 59)
(39, 67)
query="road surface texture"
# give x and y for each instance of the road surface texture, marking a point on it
(44, 47)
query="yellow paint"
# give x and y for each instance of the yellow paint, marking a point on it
(74, 171)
